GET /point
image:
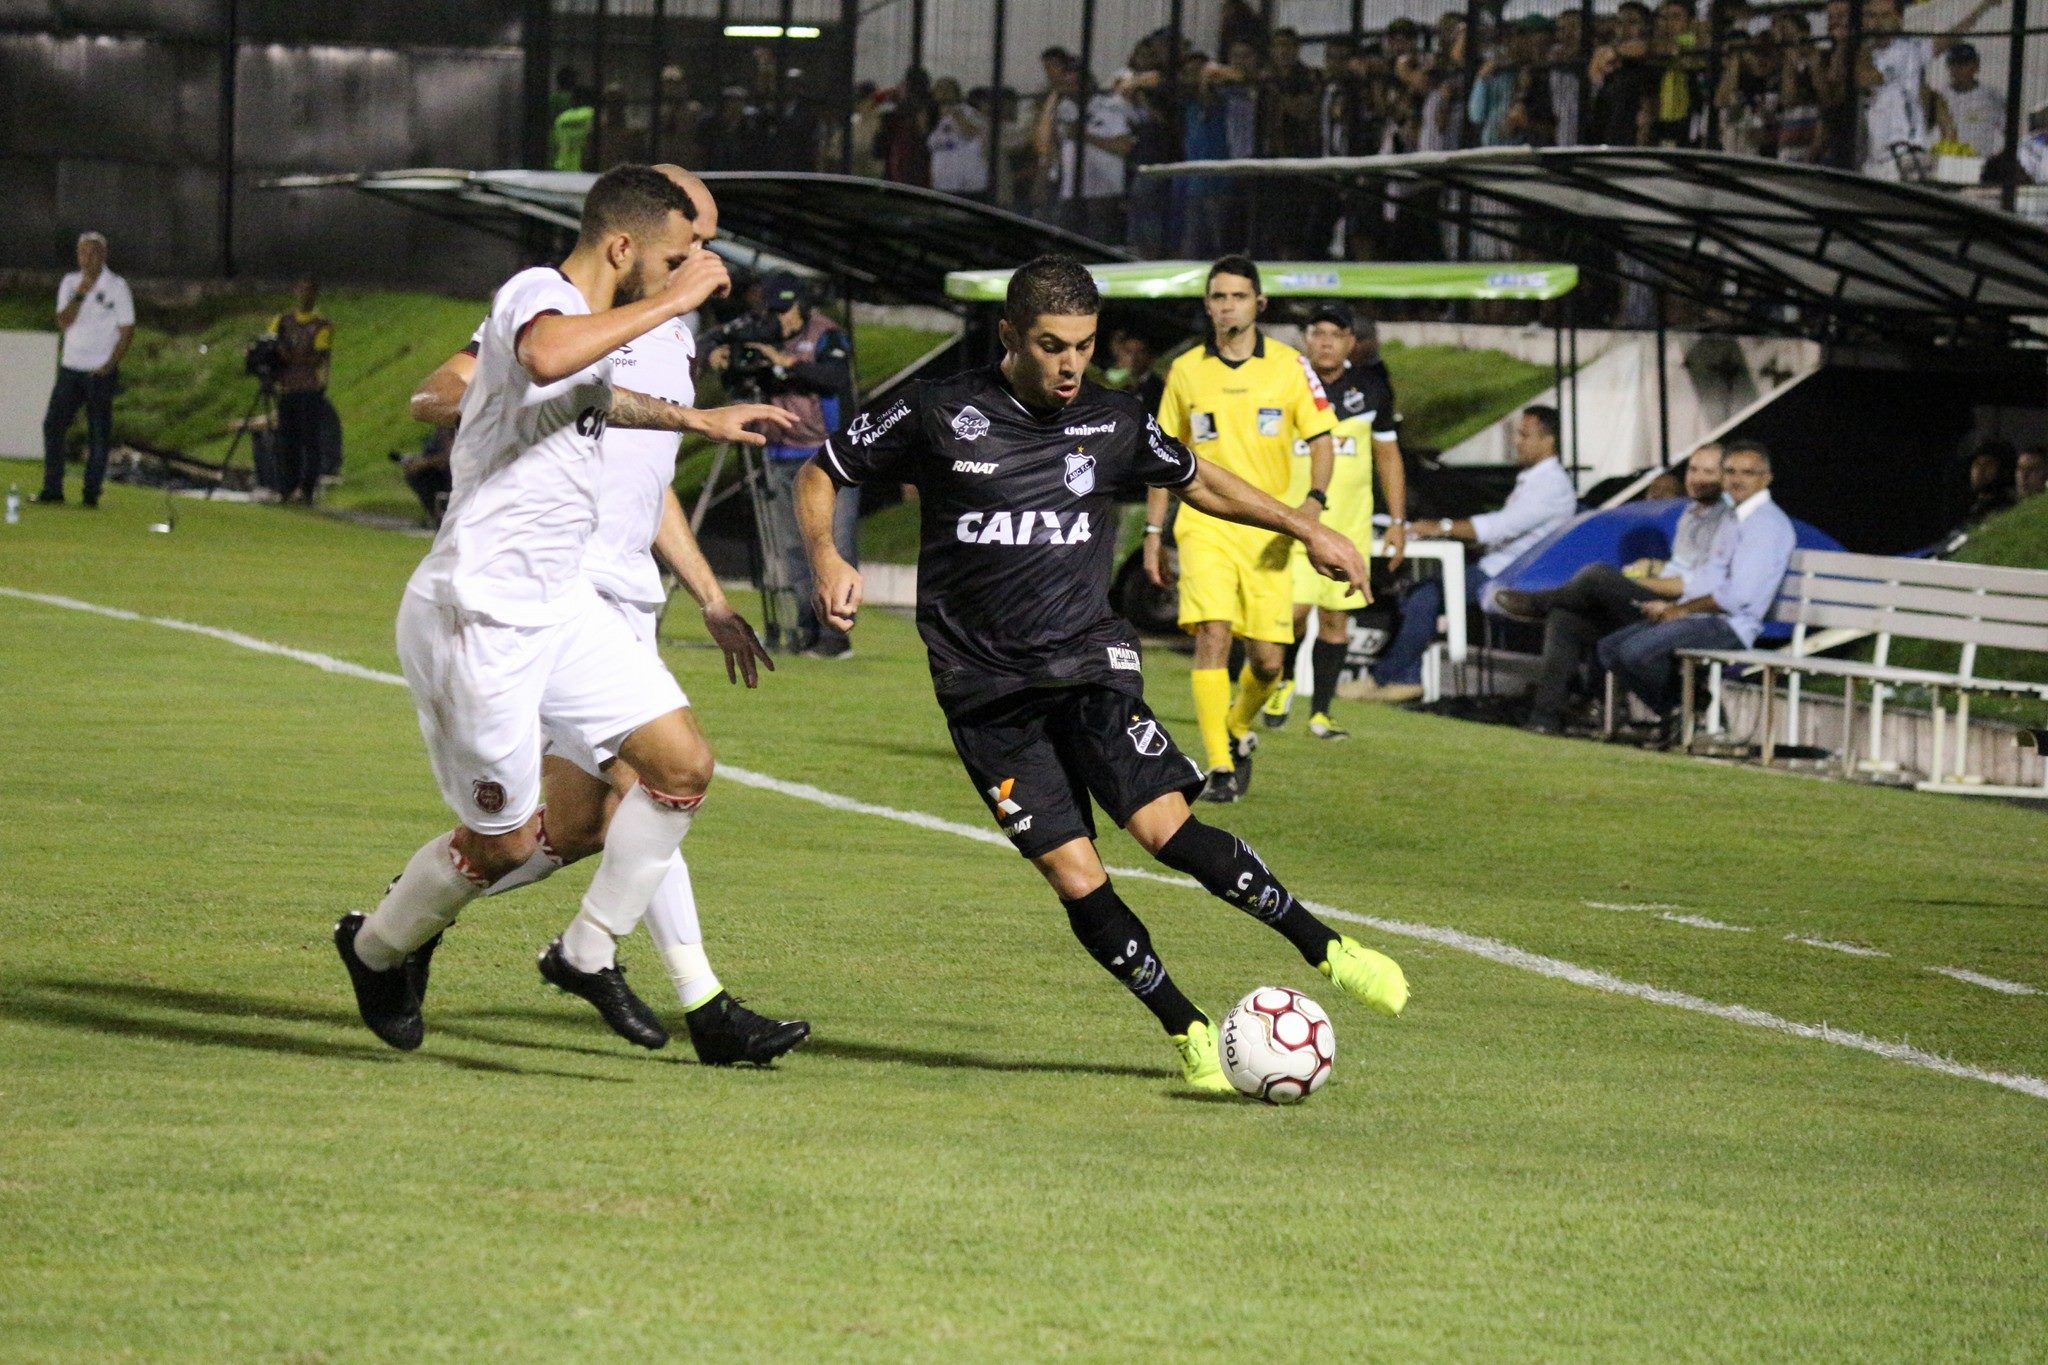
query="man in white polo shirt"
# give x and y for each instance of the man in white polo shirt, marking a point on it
(96, 314)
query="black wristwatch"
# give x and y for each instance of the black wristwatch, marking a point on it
(1320, 496)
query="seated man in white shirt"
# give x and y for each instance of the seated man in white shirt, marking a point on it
(1722, 604)
(1543, 500)
(1601, 599)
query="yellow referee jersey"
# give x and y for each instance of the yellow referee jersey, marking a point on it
(1245, 416)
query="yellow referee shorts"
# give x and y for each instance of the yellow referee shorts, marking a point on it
(1239, 578)
(1311, 589)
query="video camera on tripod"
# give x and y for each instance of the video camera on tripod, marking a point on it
(745, 368)
(263, 361)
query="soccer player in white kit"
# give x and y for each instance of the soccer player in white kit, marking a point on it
(638, 517)
(500, 634)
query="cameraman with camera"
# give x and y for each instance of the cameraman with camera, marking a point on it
(802, 362)
(304, 350)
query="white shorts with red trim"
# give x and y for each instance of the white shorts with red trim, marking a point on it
(490, 696)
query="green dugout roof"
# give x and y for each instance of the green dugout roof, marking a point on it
(1305, 280)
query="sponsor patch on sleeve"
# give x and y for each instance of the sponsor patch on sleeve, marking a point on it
(1124, 658)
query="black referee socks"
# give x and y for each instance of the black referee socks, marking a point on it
(1117, 939)
(1228, 869)
(1327, 657)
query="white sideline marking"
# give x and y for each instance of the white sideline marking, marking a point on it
(1702, 922)
(1493, 950)
(1990, 983)
(1627, 905)
(1852, 949)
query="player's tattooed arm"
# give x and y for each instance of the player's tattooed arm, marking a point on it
(1220, 493)
(437, 402)
(729, 424)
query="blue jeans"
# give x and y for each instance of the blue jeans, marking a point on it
(1641, 655)
(77, 389)
(1420, 606)
(779, 470)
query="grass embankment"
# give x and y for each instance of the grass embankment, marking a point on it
(984, 1153)
(183, 386)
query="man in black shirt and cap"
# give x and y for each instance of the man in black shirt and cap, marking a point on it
(1017, 467)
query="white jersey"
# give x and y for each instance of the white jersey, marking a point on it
(526, 467)
(639, 467)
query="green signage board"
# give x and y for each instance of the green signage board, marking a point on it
(1307, 280)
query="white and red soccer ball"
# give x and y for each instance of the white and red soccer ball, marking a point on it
(1278, 1046)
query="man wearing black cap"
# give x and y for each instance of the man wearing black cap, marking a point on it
(811, 379)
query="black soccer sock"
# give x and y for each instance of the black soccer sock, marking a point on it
(1117, 939)
(1226, 866)
(1287, 665)
(1328, 659)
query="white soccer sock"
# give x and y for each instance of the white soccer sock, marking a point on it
(587, 945)
(542, 864)
(672, 924)
(638, 848)
(420, 904)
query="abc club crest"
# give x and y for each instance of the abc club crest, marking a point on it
(489, 796)
(1080, 474)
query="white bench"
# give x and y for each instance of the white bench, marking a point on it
(1970, 605)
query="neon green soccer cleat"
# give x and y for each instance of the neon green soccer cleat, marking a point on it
(1371, 978)
(1200, 1064)
(1273, 714)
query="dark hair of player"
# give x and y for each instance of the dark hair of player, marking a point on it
(1546, 417)
(631, 199)
(1057, 285)
(1756, 448)
(1242, 266)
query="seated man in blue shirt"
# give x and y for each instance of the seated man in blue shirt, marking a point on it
(1601, 599)
(1723, 603)
(1543, 500)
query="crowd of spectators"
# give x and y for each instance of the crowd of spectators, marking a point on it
(1797, 82)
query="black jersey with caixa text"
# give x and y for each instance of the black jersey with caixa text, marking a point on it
(1019, 526)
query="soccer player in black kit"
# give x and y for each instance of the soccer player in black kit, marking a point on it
(1017, 467)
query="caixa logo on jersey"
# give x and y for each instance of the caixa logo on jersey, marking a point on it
(1080, 474)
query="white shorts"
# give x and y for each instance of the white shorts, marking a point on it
(488, 695)
(563, 742)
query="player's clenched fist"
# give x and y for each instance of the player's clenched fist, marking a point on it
(838, 595)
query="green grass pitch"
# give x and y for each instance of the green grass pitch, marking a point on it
(984, 1153)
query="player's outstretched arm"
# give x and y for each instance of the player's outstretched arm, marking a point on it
(557, 345)
(837, 583)
(1220, 493)
(644, 412)
(677, 546)
(437, 402)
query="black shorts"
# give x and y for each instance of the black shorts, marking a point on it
(1037, 756)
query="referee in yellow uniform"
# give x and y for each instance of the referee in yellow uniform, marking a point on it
(1240, 400)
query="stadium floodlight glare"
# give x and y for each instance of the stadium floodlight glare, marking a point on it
(772, 31)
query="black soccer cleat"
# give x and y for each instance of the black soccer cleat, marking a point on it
(1220, 787)
(609, 994)
(417, 963)
(384, 999)
(1241, 748)
(724, 1031)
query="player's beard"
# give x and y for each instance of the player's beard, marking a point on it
(632, 286)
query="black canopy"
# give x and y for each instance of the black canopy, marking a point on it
(892, 243)
(1777, 245)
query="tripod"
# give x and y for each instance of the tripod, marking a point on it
(266, 399)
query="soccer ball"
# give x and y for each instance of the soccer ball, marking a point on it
(1278, 1045)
